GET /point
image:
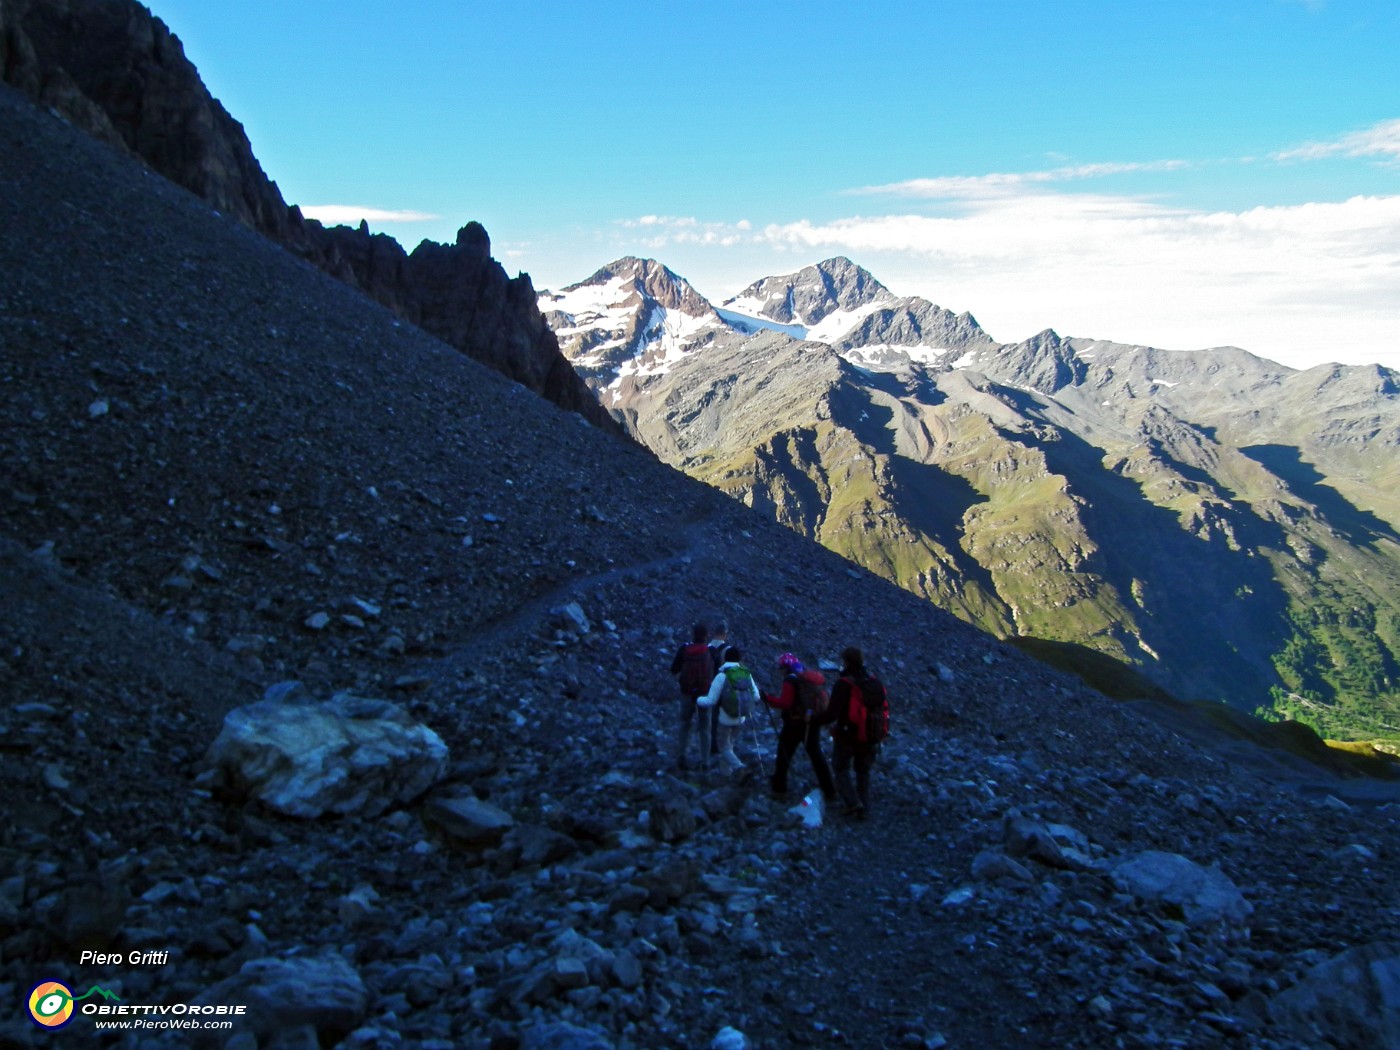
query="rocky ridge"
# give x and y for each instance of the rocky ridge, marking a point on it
(233, 483)
(113, 69)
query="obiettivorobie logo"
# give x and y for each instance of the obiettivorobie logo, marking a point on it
(51, 1003)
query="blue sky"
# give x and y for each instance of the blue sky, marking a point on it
(1184, 174)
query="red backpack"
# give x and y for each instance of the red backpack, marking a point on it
(869, 711)
(697, 669)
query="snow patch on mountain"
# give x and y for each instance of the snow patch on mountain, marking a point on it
(666, 337)
(890, 357)
(741, 318)
(744, 314)
(580, 313)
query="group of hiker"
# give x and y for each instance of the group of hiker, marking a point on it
(719, 696)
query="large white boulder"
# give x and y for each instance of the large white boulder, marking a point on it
(347, 755)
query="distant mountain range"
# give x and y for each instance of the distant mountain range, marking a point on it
(1222, 523)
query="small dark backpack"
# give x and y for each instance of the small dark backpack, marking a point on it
(870, 710)
(812, 696)
(697, 669)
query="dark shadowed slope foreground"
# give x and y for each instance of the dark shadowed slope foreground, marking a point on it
(222, 471)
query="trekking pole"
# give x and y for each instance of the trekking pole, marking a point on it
(776, 734)
(757, 745)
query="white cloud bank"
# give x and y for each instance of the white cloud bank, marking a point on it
(351, 214)
(1298, 284)
(1301, 284)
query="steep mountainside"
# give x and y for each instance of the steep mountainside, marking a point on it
(333, 686)
(112, 68)
(1222, 523)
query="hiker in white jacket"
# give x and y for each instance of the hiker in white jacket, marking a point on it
(734, 692)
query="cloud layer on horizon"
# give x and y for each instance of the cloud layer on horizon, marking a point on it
(1299, 283)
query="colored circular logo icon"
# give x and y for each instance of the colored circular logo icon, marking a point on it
(51, 1004)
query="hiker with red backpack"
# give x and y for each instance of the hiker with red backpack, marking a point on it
(803, 702)
(719, 646)
(860, 721)
(695, 670)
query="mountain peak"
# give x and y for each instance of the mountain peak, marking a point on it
(812, 293)
(633, 316)
(652, 283)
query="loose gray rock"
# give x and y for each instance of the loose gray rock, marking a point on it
(324, 992)
(574, 616)
(672, 819)
(1054, 845)
(993, 865)
(468, 819)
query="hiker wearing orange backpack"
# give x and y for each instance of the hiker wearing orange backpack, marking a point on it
(803, 702)
(860, 713)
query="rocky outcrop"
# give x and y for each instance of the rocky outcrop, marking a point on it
(1348, 1002)
(915, 322)
(1043, 362)
(115, 70)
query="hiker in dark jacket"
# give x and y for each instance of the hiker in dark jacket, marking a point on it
(799, 727)
(695, 670)
(847, 749)
(719, 645)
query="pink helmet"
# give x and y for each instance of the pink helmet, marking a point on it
(790, 663)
